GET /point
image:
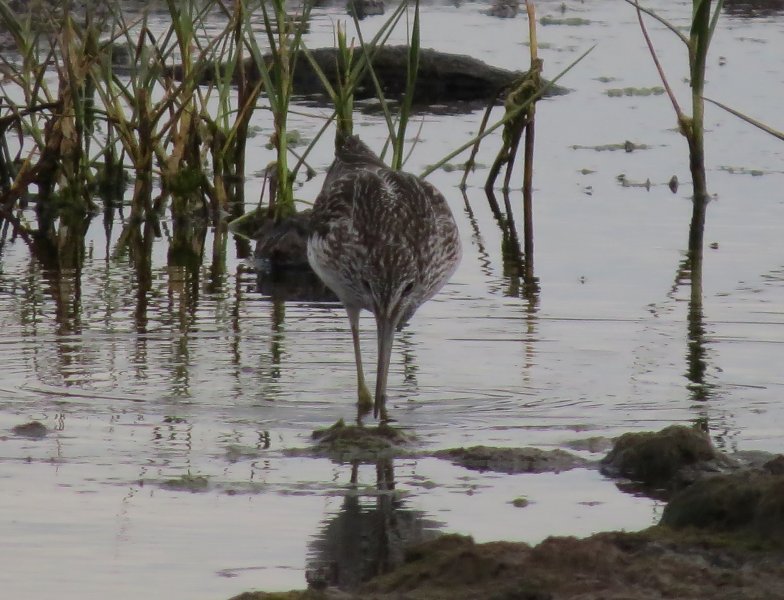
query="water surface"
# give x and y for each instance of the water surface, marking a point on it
(204, 374)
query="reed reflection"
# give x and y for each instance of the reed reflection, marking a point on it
(517, 267)
(700, 388)
(369, 534)
(485, 261)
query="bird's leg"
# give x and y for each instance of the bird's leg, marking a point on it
(386, 334)
(365, 400)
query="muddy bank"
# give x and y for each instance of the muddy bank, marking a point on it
(721, 534)
(657, 563)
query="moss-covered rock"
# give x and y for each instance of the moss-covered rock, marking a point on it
(512, 460)
(657, 563)
(453, 567)
(747, 502)
(669, 458)
(347, 443)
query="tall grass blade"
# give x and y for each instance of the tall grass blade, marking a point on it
(412, 68)
(368, 54)
(507, 116)
(749, 120)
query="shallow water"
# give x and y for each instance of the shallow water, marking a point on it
(205, 375)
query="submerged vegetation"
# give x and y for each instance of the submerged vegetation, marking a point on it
(103, 111)
(95, 100)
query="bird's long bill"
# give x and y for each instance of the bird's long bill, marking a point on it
(386, 335)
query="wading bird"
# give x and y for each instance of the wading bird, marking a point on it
(383, 241)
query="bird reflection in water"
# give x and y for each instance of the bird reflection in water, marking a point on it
(369, 534)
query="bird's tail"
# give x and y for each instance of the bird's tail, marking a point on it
(353, 152)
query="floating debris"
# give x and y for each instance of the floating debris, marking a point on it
(629, 183)
(626, 146)
(656, 90)
(187, 483)
(742, 171)
(570, 21)
(512, 460)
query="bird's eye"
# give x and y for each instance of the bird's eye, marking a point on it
(366, 285)
(407, 290)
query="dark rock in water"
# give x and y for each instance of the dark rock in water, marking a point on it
(365, 8)
(669, 458)
(749, 502)
(443, 78)
(33, 430)
(504, 9)
(512, 460)
(284, 244)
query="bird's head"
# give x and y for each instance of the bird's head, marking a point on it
(394, 300)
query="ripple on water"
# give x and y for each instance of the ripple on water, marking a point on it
(204, 376)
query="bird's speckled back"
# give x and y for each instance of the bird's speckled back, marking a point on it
(381, 239)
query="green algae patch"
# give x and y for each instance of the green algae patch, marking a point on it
(591, 444)
(346, 443)
(742, 171)
(626, 146)
(236, 452)
(513, 460)
(634, 91)
(293, 139)
(187, 483)
(451, 167)
(568, 21)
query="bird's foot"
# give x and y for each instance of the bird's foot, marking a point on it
(364, 403)
(380, 411)
(386, 421)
